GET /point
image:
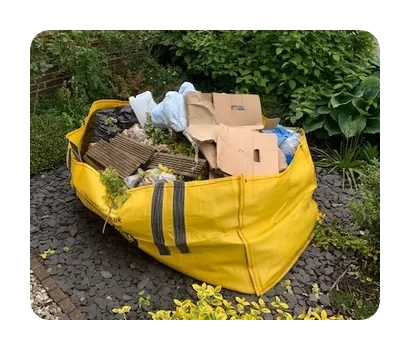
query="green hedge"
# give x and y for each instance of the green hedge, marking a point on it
(328, 77)
(47, 142)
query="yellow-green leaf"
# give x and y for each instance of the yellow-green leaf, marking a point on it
(255, 312)
(126, 308)
(221, 316)
(255, 305)
(284, 305)
(47, 253)
(265, 310)
(177, 302)
(227, 303)
(261, 302)
(288, 316)
(315, 315)
(242, 301)
(122, 310)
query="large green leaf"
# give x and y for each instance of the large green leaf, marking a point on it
(340, 100)
(371, 87)
(347, 109)
(361, 105)
(372, 126)
(323, 110)
(351, 125)
(332, 127)
(314, 124)
(334, 113)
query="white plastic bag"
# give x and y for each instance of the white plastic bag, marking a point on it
(141, 105)
(170, 113)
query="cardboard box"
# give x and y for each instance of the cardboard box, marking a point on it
(248, 152)
(242, 142)
(208, 150)
(206, 111)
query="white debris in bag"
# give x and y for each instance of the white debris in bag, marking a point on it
(170, 113)
(133, 180)
(137, 133)
(161, 174)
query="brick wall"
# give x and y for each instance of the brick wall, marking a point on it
(54, 79)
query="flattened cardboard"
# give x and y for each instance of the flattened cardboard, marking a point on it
(208, 149)
(243, 151)
(271, 123)
(281, 159)
(205, 111)
(237, 110)
(200, 108)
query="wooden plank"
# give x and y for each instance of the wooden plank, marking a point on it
(109, 155)
(142, 151)
(180, 165)
(93, 163)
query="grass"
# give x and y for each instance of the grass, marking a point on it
(47, 142)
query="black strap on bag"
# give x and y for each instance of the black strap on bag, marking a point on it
(156, 219)
(178, 218)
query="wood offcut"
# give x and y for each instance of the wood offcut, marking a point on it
(127, 155)
(180, 165)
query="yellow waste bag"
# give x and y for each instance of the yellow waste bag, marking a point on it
(241, 232)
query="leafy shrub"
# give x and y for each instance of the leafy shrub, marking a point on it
(149, 76)
(362, 246)
(115, 191)
(84, 56)
(348, 106)
(366, 210)
(211, 305)
(328, 76)
(345, 241)
(47, 142)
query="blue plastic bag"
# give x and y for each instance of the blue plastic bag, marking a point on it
(288, 140)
